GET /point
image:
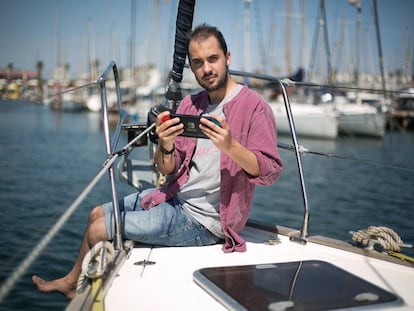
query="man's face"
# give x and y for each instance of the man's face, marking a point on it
(208, 63)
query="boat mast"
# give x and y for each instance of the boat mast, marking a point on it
(91, 52)
(288, 56)
(262, 51)
(132, 41)
(381, 59)
(326, 40)
(321, 25)
(58, 38)
(407, 61)
(246, 61)
(357, 4)
(302, 32)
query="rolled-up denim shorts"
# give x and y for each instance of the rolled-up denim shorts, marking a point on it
(166, 224)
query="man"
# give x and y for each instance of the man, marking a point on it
(210, 196)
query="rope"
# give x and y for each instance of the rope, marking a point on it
(386, 237)
(94, 263)
(96, 260)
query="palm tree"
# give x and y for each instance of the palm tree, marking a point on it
(10, 68)
(39, 68)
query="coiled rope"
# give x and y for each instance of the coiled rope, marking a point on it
(386, 237)
(94, 263)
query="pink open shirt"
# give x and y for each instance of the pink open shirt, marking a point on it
(252, 123)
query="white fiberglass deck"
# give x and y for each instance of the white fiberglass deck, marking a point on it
(168, 284)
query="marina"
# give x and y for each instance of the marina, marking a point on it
(333, 232)
(72, 145)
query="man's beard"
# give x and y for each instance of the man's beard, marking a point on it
(221, 83)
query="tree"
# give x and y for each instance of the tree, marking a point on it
(39, 69)
(10, 68)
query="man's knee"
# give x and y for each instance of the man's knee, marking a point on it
(97, 231)
(96, 212)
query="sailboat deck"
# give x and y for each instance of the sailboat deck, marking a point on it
(168, 276)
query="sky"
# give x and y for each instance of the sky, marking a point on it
(74, 31)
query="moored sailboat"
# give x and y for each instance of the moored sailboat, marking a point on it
(310, 120)
(364, 115)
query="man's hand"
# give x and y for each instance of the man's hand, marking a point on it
(221, 137)
(167, 129)
(219, 132)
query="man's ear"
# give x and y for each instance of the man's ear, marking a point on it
(228, 58)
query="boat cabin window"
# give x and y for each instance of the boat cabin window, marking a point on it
(303, 285)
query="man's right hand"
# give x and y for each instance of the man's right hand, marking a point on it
(167, 129)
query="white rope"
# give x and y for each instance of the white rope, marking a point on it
(97, 259)
(386, 237)
(95, 262)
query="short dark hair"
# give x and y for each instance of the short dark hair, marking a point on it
(204, 31)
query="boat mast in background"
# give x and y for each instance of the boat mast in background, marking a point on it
(322, 25)
(246, 36)
(381, 59)
(288, 49)
(357, 4)
(132, 41)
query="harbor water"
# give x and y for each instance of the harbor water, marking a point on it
(47, 158)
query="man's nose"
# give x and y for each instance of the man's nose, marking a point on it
(206, 67)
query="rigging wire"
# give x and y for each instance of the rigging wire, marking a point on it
(76, 88)
(71, 89)
(290, 82)
(286, 81)
(303, 151)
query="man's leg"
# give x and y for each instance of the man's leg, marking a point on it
(94, 233)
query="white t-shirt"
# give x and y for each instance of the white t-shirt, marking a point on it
(200, 195)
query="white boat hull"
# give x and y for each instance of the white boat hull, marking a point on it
(355, 119)
(310, 120)
(360, 114)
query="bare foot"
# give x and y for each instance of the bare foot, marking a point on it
(63, 285)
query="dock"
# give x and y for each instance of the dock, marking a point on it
(401, 119)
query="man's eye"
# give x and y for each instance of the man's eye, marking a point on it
(196, 63)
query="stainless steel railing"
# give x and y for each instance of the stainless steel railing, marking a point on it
(111, 152)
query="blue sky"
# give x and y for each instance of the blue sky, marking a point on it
(28, 32)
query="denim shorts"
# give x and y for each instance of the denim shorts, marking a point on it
(166, 224)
